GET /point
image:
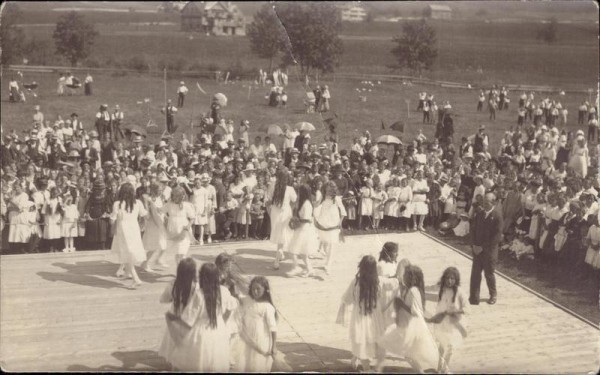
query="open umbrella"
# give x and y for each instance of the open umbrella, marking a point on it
(389, 139)
(305, 126)
(274, 130)
(221, 99)
(398, 125)
(135, 129)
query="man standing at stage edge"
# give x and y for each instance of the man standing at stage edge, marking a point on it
(486, 234)
(181, 93)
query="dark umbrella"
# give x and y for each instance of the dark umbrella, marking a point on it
(135, 129)
(398, 125)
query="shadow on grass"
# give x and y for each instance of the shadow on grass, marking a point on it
(93, 273)
(138, 360)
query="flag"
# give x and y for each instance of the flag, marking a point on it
(200, 88)
(382, 125)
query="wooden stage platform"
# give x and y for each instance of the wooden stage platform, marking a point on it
(67, 312)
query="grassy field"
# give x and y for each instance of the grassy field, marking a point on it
(507, 53)
(386, 102)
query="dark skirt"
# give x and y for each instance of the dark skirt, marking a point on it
(87, 88)
(526, 222)
(96, 230)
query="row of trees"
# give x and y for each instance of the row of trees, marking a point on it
(308, 35)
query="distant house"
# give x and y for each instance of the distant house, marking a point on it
(354, 13)
(213, 17)
(440, 12)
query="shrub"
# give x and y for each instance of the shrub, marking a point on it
(138, 64)
(92, 63)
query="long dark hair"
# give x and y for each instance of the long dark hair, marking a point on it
(211, 289)
(389, 252)
(304, 194)
(368, 284)
(450, 271)
(228, 276)
(266, 297)
(281, 184)
(127, 195)
(413, 276)
(182, 287)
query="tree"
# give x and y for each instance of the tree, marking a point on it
(311, 35)
(549, 32)
(426, 13)
(416, 48)
(74, 37)
(265, 34)
(12, 39)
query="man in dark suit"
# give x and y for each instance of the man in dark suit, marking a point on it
(486, 234)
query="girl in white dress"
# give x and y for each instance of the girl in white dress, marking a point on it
(366, 202)
(379, 197)
(155, 235)
(52, 219)
(200, 200)
(449, 329)
(281, 213)
(387, 264)
(19, 230)
(410, 337)
(405, 198)
(69, 223)
(258, 329)
(204, 345)
(419, 200)
(304, 239)
(391, 204)
(328, 220)
(592, 256)
(178, 292)
(579, 158)
(127, 242)
(179, 216)
(366, 295)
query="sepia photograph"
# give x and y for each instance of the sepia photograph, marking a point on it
(300, 186)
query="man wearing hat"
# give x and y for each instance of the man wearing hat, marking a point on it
(169, 112)
(116, 119)
(181, 92)
(9, 151)
(103, 121)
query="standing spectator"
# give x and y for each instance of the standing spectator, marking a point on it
(486, 234)
(181, 93)
(325, 97)
(62, 82)
(87, 84)
(38, 116)
(492, 106)
(169, 112)
(103, 121)
(480, 101)
(317, 92)
(426, 110)
(593, 130)
(116, 119)
(96, 229)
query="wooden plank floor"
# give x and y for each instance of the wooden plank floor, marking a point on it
(67, 312)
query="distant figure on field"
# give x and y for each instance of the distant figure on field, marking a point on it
(87, 85)
(181, 93)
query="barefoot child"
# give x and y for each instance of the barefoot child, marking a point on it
(449, 329)
(258, 329)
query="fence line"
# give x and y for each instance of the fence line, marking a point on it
(327, 77)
